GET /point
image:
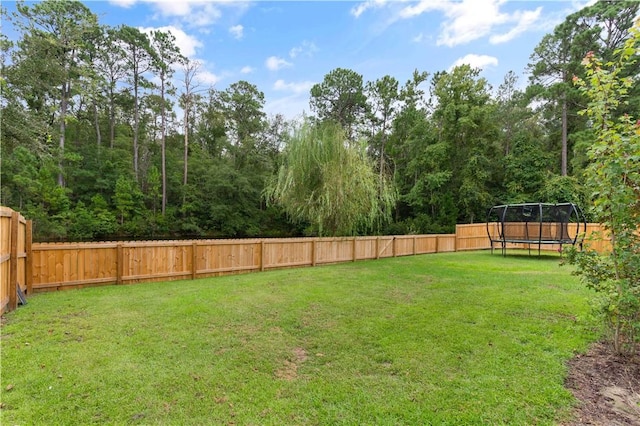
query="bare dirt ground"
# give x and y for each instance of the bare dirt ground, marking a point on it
(607, 388)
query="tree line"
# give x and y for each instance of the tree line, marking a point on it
(107, 134)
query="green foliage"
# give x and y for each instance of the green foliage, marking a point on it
(464, 119)
(127, 198)
(340, 98)
(526, 173)
(562, 189)
(329, 182)
(600, 28)
(614, 177)
(29, 182)
(93, 222)
(451, 152)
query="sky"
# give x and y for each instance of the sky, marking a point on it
(285, 47)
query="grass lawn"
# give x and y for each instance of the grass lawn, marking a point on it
(459, 338)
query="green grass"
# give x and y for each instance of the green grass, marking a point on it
(460, 338)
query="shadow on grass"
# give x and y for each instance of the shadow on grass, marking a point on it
(523, 254)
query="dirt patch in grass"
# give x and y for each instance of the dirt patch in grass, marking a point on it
(607, 388)
(289, 370)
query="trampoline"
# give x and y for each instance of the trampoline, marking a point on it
(535, 223)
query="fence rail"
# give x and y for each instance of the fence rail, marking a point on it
(38, 267)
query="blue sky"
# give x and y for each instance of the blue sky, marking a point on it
(284, 47)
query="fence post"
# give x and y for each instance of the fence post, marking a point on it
(13, 261)
(455, 240)
(353, 252)
(313, 252)
(378, 247)
(414, 245)
(28, 274)
(194, 260)
(393, 246)
(119, 263)
(261, 255)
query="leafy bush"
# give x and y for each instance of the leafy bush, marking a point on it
(614, 177)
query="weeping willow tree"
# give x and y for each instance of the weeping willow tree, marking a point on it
(330, 182)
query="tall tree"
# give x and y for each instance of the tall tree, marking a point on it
(167, 54)
(91, 88)
(424, 174)
(242, 104)
(465, 122)
(397, 128)
(187, 102)
(111, 65)
(139, 58)
(54, 32)
(383, 97)
(340, 98)
(513, 112)
(210, 129)
(600, 28)
(555, 61)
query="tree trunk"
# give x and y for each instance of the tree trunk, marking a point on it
(63, 128)
(112, 118)
(163, 125)
(563, 170)
(97, 125)
(186, 150)
(135, 125)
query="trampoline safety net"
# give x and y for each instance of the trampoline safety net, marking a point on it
(535, 223)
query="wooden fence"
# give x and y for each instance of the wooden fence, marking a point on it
(58, 266)
(55, 266)
(15, 262)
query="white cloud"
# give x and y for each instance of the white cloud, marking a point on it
(173, 8)
(237, 31)
(418, 38)
(360, 8)
(195, 13)
(297, 88)
(306, 48)
(187, 44)
(469, 20)
(476, 61)
(203, 16)
(207, 78)
(422, 7)
(274, 63)
(123, 3)
(247, 70)
(526, 20)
